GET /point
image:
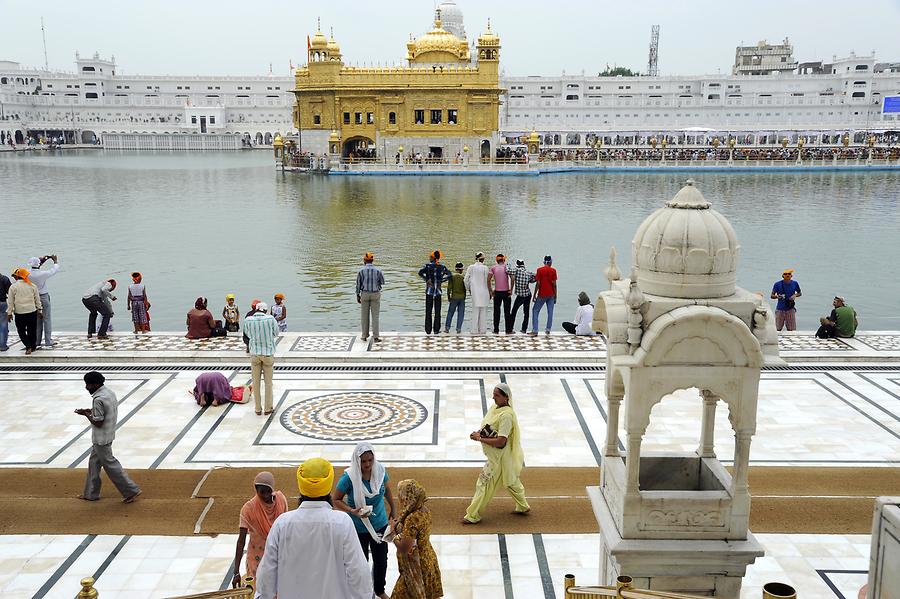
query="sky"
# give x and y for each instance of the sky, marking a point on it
(229, 37)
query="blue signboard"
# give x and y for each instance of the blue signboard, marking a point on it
(891, 104)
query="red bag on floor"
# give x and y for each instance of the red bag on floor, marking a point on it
(241, 394)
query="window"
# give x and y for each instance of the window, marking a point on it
(370, 118)
(93, 95)
(357, 118)
(392, 118)
(452, 116)
(193, 120)
(317, 119)
(346, 118)
(862, 67)
(212, 120)
(436, 117)
(855, 94)
(572, 97)
(419, 117)
(88, 69)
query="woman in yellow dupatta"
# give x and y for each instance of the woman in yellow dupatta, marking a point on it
(500, 440)
(420, 573)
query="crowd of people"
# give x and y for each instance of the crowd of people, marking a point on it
(500, 286)
(322, 548)
(721, 153)
(495, 295)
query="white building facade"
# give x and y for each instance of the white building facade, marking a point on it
(97, 100)
(566, 109)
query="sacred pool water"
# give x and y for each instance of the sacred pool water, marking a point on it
(211, 224)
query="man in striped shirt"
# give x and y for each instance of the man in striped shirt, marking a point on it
(262, 330)
(369, 281)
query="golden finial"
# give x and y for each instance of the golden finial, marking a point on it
(318, 23)
(437, 18)
(87, 589)
(489, 24)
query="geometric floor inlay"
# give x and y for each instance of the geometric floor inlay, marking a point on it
(488, 343)
(317, 343)
(148, 343)
(810, 343)
(355, 415)
(881, 342)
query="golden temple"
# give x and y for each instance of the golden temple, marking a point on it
(444, 105)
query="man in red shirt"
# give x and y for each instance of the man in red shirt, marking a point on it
(544, 294)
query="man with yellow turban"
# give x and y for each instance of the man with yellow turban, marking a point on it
(314, 551)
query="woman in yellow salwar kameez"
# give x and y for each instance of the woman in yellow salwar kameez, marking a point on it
(420, 574)
(500, 440)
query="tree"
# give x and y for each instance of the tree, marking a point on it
(616, 71)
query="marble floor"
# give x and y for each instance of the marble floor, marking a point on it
(810, 414)
(508, 566)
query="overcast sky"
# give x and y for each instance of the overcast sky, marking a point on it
(230, 37)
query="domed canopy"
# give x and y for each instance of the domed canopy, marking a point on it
(452, 18)
(686, 249)
(438, 46)
(318, 41)
(333, 48)
(488, 38)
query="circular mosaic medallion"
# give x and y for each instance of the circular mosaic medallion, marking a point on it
(353, 416)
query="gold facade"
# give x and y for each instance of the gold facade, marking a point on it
(441, 97)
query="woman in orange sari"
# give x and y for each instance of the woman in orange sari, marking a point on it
(257, 517)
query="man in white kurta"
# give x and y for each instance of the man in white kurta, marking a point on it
(313, 552)
(477, 288)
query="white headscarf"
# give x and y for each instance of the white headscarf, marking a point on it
(376, 479)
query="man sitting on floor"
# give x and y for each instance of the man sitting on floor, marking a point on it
(842, 321)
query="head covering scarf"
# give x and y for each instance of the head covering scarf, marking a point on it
(258, 516)
(22, 273)
(200, 304)
(112, 283)
(412, 498)
(368, 256)
(265, 479)
(583, 299)
(34, 262)
(262, 307)
(315, 477)
(787, 271)
(229, 296)
(376, 479)
(136, 277)
(279, 296)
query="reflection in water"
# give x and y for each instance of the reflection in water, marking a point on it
(229, 223)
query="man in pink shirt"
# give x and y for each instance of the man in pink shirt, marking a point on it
(501, 294)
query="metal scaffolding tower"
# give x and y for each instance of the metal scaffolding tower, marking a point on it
(653, 62)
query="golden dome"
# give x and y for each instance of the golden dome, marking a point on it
(438, 45)
(333, 47)
(318, 40)
(488, 38)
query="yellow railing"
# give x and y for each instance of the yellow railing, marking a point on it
(623, 589)
(89, 592)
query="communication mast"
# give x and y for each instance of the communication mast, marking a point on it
(44, 37)
(653, 62)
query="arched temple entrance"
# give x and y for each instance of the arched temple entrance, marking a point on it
(358, 147)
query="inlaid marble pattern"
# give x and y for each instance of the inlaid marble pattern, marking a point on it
(353, 415)
(881, 342)
(472, 566)
(488, 343)
(146, 343)
(323, 343)
(810, 343)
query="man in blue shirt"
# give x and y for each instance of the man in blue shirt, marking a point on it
(434, 274)
(786, 291)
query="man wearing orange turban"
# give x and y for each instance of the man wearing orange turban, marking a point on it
(294, 564)
(24, 304)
